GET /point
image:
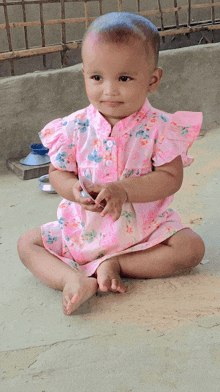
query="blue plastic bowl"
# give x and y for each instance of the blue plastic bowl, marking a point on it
(38, 148)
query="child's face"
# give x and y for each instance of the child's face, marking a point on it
(118, 77)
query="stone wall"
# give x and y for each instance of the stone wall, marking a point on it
(28, 102)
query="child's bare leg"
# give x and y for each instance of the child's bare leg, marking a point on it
(183, 250)
(46, 267)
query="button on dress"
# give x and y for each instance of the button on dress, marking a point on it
(85, 143)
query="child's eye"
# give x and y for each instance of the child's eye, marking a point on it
(124, 78)
(96, 77)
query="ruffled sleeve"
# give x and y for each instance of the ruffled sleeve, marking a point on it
(175, 136)
(59, 138)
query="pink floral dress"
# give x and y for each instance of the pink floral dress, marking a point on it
(85, 144)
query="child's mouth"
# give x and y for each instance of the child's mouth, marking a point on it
(112, 103)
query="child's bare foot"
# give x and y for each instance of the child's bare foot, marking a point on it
(76, 291)
(108, 276)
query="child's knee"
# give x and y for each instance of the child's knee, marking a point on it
(189, 246)
(197, 249)
(23, 244)
(28, 239)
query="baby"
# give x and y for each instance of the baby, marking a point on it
(134, 156)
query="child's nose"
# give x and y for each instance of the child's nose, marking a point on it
(110, 88)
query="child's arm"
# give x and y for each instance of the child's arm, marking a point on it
(164, 181)
(62, 182)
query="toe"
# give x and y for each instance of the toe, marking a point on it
(65, 301)
(104, 284)
(74, 299)
(114, 285)
(65, 311)
(118, 286)
(122, 289)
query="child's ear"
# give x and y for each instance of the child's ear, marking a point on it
(155, 80)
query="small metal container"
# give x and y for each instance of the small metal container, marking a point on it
(45, 184)
(85, 182)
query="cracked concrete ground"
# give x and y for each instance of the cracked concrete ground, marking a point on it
(163, 335)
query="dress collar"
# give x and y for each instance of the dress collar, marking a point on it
(104, 129)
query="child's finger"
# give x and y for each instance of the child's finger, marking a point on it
(106, 210)
(102, 197)
(83, 201)
(114, 212)
(94, 188)
(116, 216)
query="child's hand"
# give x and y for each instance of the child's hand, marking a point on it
(113, 195)
(86, 203)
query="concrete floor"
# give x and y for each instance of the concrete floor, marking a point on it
(43, 350)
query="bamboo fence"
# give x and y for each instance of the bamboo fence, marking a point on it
(179, 29)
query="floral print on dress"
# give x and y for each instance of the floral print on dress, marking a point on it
(85, 143)
(143, 133)
(94, 157)
(50, 240)
(82, 126)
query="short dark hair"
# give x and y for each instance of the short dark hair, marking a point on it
(121, 26)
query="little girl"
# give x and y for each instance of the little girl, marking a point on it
(134, 156)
